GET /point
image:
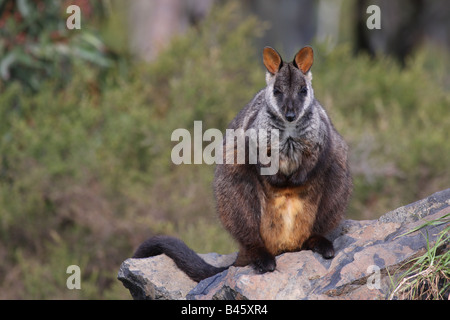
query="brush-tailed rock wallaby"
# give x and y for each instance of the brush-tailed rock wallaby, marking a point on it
(292, 209)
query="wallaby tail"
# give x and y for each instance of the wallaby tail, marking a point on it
(184, 257)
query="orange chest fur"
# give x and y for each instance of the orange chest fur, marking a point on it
(287, 218)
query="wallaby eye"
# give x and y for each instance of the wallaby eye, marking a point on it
(276, 92)
(303, 91)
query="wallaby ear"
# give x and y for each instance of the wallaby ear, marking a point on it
(272, 60)
(304, 59)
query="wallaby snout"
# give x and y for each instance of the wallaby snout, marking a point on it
(290, 116)
(290, 113)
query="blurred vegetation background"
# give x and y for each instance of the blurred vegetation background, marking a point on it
(86, 118)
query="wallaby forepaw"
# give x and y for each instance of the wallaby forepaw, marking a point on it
(321, 245)
(264, 263)
(327, 252)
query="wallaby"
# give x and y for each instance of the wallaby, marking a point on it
(292, 209)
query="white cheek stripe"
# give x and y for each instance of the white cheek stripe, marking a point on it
(272, 101)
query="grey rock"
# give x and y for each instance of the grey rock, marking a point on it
(368, 252)
(419, 209)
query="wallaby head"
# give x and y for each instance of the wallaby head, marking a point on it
(289, 89)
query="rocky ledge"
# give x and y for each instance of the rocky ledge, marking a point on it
(368, 254)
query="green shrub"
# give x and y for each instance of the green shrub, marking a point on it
(394, 120)
(85, 172)
(36, 45)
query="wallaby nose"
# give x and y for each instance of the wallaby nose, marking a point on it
(290, 116)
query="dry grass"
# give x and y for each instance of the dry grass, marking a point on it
(429, 276)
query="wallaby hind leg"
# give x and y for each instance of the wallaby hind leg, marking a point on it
(238, 204)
